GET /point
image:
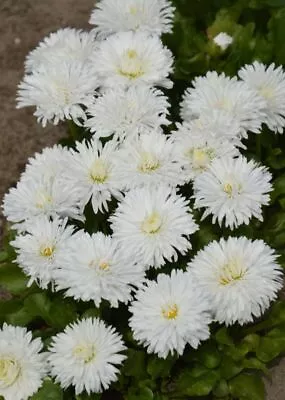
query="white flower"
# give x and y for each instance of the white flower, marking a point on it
(126, 113)
(91, 171)
(149, 159)
(269, 83)
(59, 91)
(39, 246)
(223, 40)
(220, 92)
(233, 190)
(197, 152)
(22, 366)
(170, 313)
(214, 123)
(66, 44)
(154, 223)
(131, 58)
(240, 277)
(37, 196)
(86, 356)
(49, 164)
(96, 268)
(152, 16)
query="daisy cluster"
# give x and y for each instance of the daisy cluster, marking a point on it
(143, 179)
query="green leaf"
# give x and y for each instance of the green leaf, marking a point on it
(21, 317)
(38, 305)
(159, 368)
(254, 363)
(201, 386)
(4, 255)
(13, 279)
(247, 387)
(222, 389)
(140, 394)
(222, 336)
(230, 368)
(135, 364)
(61, 312)
(49, 391)
(270, 348)
(209, 355)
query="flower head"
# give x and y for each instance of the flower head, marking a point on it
(170, 313)
(269, 84)
(125, 113)
(86, 356)
(233, 190)
(37, 196)
(39, 246)
(220, 92)
(112, 16)
(197, 152)
(91, 171)
(59, 91)
(154, 223)
(22, 366)
(65, 45)
(239, 276)
(131, 58)
(96, 268)
(151, 159)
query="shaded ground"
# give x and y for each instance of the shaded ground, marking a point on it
(22, 24)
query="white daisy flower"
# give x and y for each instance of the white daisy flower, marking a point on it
(37, 196)
(220, 92)
(86, 355)
(269, 83)
(91, 171)
(150, 159)
(223, 40)
(197, 152)
(214, 123)
(96, 268)
(131, 58)
(65, 45)
(49, 164)
(58, 91)
(154, 223)
(39, 246)
(240, 277)
(152, 16)
(23, 367)
(233, 190)
(170, 313)
(126, 113)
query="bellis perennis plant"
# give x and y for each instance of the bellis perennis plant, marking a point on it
(144, 261)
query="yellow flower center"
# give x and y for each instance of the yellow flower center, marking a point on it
(47, 251)
(231, 272)
(267, 92)
(171, 312)
(98, 172)
(200, 157)
(131, 65)
(104, 266)
(9, 371)
(43, 199)
(223, 104)
(133, 10)
(148, 163)
(152, 223)
(228, 189)
(85, 352)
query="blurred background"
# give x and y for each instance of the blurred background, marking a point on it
(23, 23)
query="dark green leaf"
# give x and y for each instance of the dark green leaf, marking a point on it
(222, 336)
(49, 391)
(135, 364)
(270, 348)
(13, 279)
(159, 368)
(247, 387)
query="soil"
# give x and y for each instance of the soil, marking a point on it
(22, 24)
